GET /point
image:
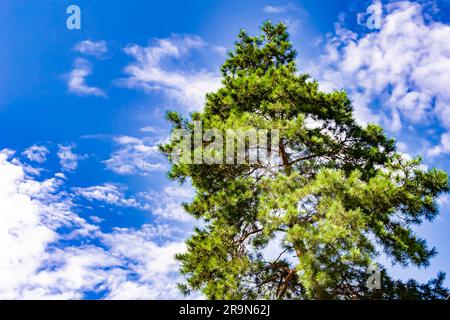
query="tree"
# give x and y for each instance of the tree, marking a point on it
(312, 223)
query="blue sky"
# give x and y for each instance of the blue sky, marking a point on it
(89, 211)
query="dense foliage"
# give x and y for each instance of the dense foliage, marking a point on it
(313, 223)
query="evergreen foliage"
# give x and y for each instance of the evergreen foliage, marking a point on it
(339, 196)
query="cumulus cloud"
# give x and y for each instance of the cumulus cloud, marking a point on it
(397, 75)
(153, 264)
(151, 71)
(31, 213)
(127, 263)
(68, 159)
(97, 49)
(135, 156)
(36, 153)
(76, 80)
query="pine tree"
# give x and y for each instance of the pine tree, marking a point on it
(338, 196)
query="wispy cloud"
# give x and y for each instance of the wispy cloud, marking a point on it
(280, 8)
(151, 72)
(292, 25)
(76, 80)
(289, 14)
(166, 205)
(109, 193)
(36, 153)
(97, 49)
(150, 129)
(442, 148)
(135, 156)
(274, 9)
(68, 159)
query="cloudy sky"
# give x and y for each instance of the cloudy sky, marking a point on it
(86, 210)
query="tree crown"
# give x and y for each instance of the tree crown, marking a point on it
(312, 222)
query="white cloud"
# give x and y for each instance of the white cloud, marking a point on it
(92, 48)
(135, 156)
(151, 72)
(274, 9)
(167, 205)
(280, 9)
(154, 264)
(444, 201)
(68, 159)
(36, 153)
(76, 80)
(289, 14)
(127, 264)
(442, 148)
(292, 25)
(150, 129)
(396, 75)
(109, 193)
(31, 212)
(96, 219)
(220, 50)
